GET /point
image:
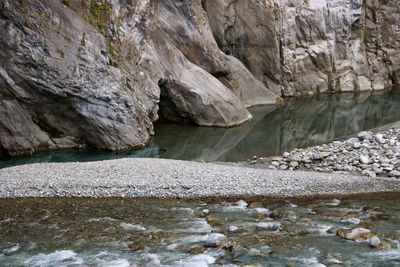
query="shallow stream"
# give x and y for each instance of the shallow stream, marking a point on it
(134, 232)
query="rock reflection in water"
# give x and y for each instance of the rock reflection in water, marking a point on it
(298, 123)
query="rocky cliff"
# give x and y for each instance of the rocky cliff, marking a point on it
(78, 73)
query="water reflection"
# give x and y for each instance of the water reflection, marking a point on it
(274, 129)
(298, 123)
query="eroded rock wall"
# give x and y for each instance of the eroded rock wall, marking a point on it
(301, 47)
(77, 73)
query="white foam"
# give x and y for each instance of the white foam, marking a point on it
(152, 259)
(198, 226)
(102, 219)
(261, 210)
(11, 249)
(192, 239)
(47, 216)
(200, 260)
(334, 202)
(55, 258)
(240, 205)
(188, 210)
(309, 262)
(131, 227)
(351, 220)
(117, 263)
(383, 255)
(7, 220)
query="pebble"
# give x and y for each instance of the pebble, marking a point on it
(364, 135)
(232, 228)
(394, 174)
(368, 155)
(275, 163)
(283, 167)
(364, 159)
(380, 138)
(293, 164)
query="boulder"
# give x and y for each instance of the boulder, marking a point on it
(359, 234)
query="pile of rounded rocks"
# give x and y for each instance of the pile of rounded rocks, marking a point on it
(367, 154)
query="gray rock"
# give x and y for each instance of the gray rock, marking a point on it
(200, 62)
(275, 163)
(294, 158)
(380, 138)
(214, 240)
(359, 234)
(246, 87)
(356, 145)
(293, 164)
(317, 156)
(377, 169)
(375, 242)
(368, 173)
(364, 159)
(232, 228)
(352, 141)
(394, 173)
(283, 167)
(269, 226)
(364, 135)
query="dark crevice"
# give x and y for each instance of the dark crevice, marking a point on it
(168, 110)
(219, 74)
(3, 153)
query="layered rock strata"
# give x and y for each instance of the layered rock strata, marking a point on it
(78, 73)
(300, 47)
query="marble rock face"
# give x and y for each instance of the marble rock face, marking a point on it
(84, 73)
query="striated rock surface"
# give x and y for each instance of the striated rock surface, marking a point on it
(301, 47)
(98, 73)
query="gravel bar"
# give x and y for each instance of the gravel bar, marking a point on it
(159, 178)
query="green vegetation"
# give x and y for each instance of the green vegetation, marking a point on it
(66, 2)
(62, 55)
(97, 14)
(67, 38)
(83, 41)
(276, 10)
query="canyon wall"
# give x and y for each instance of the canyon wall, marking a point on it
(78, 73)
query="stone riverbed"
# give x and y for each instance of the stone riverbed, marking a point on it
(369, 154)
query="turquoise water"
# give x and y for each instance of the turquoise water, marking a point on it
(299, 122)
(134, 232)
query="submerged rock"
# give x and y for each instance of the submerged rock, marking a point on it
(274, 226)
(214, 240)
(275, 214)
(232, 228)
(375, 242)
(359, 234)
